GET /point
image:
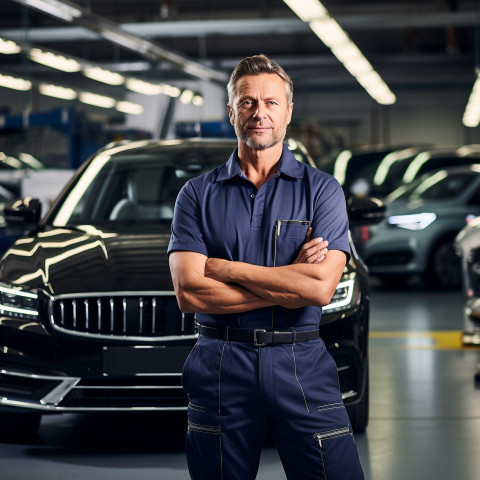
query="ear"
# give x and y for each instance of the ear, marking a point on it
(290, 111)
(231, 115)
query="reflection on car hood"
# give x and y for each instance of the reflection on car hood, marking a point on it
(69, 261)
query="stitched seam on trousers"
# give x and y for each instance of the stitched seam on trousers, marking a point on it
(323, 464)
(298, 381)
(214, 429)
(196, 407)
(221, 456)
(219, 377)
(331, 406)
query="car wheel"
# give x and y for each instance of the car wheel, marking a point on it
(19, 426)
(444, 269)
(359, 413)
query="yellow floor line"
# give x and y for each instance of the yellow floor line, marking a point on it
(441, 340)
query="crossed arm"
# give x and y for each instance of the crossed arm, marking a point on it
(213, 285)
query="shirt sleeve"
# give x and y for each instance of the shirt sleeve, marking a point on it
(186, 232)
(330, 218)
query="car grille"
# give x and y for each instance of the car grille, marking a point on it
(145, 316)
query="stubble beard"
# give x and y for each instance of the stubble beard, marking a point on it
(249, 139)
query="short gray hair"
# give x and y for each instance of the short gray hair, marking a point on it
(256, 65)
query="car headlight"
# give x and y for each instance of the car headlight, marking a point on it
(417, 221)
(342, 297)
(19, 303)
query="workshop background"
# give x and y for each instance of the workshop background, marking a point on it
(377, 85)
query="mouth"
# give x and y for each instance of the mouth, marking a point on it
(259, 128)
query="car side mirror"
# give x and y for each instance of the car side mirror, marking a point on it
(364, 210)
(26, 211)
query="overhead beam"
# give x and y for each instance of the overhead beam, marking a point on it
(114, 33)
(251, 26)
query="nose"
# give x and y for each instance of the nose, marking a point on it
(260, 112)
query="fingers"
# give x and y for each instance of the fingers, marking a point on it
(313, 251)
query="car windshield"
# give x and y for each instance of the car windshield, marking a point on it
(127, 185)
(442, 185)
(139, 185)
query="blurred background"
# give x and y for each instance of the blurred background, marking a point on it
(387, 99)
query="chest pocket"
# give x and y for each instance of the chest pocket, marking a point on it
(289, 237)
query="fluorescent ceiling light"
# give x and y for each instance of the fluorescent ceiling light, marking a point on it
(55, 61)
(102, 75)
(334, 37)
(141, 86)
(198, 100)
(54, 7)
(329, 32)
(186, 96)
(8, 47)
(97, 100)
(471, 116)
(307, 10)
(171, 91)
(15, 83)
(57, 91)
(129, 107)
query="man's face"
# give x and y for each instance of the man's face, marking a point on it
(260, 112)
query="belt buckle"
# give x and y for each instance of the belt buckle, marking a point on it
(255, 340)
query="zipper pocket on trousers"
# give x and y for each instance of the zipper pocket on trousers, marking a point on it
(329, 434)
(204, 428)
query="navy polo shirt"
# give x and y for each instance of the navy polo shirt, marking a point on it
(222, 214)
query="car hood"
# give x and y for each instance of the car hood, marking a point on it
(61, 260)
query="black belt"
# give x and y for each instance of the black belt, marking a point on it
(259, 337)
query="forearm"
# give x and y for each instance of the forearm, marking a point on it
(197, 293)
(210, 296)
(291, 286)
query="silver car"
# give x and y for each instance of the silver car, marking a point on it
(422, 221)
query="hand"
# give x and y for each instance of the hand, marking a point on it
(312, 251)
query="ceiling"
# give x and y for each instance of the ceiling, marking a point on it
(415, 46)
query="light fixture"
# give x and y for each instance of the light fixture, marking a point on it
(471, 116)
(101, 75)
(15, 83)
(57, 91)
(334, 37)
(186, 96)
(307, 10)
(9, 47)
(97, 100)
(141, 86)
(56, 8)
(54, 61)
(171, 91)
(129, 107)
(198, 100)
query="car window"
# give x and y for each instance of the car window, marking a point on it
(439, 186)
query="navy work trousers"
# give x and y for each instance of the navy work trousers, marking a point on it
(238, 393)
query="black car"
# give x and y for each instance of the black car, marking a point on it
(88, 317)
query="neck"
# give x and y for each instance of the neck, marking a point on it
(259, 165)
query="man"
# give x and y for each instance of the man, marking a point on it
(243, 260)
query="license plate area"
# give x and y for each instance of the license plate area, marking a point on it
(144, 360)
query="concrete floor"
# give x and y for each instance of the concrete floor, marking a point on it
(424, 423)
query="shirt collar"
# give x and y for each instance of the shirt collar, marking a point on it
(288, 166)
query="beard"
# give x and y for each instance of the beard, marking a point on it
(257, 142)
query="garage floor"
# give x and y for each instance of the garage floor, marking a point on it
(424, 424)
